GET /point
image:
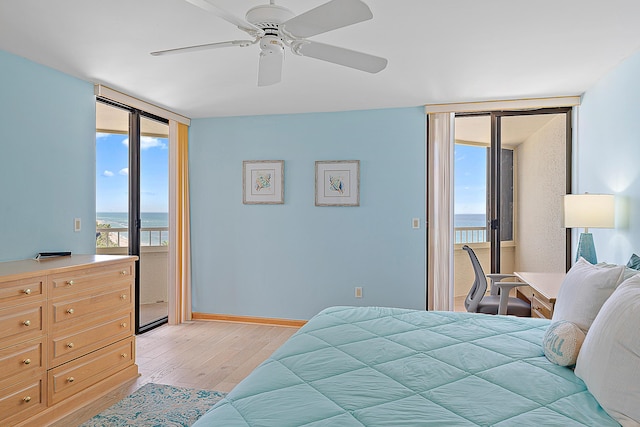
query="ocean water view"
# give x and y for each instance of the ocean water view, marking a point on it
(148, 220)
(121, 219)
(469, 220)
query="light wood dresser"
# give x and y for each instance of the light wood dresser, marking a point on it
(66, 334)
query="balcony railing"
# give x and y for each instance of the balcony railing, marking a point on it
(119, 237)
(159, 236)
(470, 234)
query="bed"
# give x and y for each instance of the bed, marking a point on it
(371, 366)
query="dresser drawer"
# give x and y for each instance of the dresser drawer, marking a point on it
(541, 308)
(22, 360)
(22, 400)
(22, 291)
(85, 278)
(83, 308)
(67, 346)
(21, 323)
(77, 375)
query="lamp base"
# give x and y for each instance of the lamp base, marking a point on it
(586, 248)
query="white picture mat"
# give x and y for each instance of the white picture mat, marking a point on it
(263, 181)
(338, 183)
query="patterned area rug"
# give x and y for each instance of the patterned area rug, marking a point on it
(157, 405)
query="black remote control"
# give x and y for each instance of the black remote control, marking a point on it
(52, 254)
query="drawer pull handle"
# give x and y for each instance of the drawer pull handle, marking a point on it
(70, 282)
(26, 399)
(27, 361)
(70, 311)
(70, 345)
(124, 355)
(70, 379)
(27, 291)
(123, 297)
(123, 324)
(27, 323)
(123, 272)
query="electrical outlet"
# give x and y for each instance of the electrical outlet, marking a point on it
(358, 292)
(77, 224)
(415, 223)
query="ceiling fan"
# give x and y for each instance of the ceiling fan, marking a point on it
(275, 27)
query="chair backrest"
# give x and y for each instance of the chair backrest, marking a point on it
(479, 286)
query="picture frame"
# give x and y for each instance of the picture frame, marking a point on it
(338, 183)
(263, 182)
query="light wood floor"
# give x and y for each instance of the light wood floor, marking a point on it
(207, 355)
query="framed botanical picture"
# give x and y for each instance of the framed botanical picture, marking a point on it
(338, 183)
(263, 182)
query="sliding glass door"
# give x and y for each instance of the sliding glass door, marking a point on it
(132, 165)
(511, 169)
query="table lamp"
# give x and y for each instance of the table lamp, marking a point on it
(588, 211)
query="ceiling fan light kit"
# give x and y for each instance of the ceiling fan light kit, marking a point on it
(275, 27)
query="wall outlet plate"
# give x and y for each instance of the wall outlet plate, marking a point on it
(415, 223)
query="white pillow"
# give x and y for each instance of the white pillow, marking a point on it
(609, 362)
(562, 342)
(584, 289)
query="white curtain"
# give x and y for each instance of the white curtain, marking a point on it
(440, 212)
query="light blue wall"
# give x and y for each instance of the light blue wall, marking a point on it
(47, 160)
(608, 155)
(292, 260)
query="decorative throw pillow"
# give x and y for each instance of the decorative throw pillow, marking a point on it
(628, 272)
(634, 262)
(584, 289)
(562, 343)
(609, 362)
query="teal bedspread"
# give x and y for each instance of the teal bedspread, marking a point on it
(388, 367)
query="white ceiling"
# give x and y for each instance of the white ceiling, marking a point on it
(439, 51)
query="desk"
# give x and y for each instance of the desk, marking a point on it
(543, 291)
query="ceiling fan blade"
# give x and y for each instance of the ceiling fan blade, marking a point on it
(240, 43)
(270, 68)
(229, 17)
(329, 16)
(341, 56)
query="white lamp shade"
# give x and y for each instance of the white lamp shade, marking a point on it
(589, 210)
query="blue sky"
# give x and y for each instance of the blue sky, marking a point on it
(112, 173)
(470, 179)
